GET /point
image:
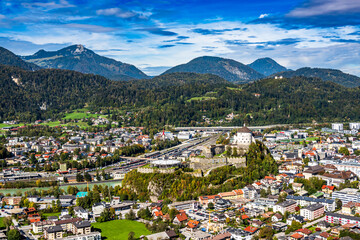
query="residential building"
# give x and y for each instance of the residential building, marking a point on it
(312, 171)
(329, 204)
(14, 201)
(337, 126)
(191, 204)
(39, 227)
(355, 126)
(67, 224)
(98, 208)
(89, 236)
(347, 195)
(53, 232)
(286, 206)
(297, 187)
(337, 177)
(81, 212)
(350, 208)
(180, 218)
(222, 204)
(313, 211)
(341, 219)
(204, 200)
(80, 228)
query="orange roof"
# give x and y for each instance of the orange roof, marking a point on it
(208, 197)
(227, 194)
(348, 225)
(325, 235)
(310, 153)
(238, 192)
(299, 175)
(158, 213)
(193, 224)
(251, 229)
(258, 183)
(304, 231)
(327, 186)
(244, 217)
(297, 236)
(181, 217)
(269, 177)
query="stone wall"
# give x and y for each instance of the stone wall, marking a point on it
(155, 170)
(206, 163)
(211, 151)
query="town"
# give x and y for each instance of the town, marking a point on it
(71, 183)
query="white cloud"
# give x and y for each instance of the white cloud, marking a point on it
(314, 47)
(323, 7)
(122, 13)
(263, 15)
(49, 5)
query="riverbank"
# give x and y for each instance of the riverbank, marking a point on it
(110, 183)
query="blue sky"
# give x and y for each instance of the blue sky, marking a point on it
(157, 34)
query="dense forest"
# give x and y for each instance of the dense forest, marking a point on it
(9, 58)
(176, 99)
(326, 74)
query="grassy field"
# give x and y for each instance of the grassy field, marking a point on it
(2, 225)
(81, 113)
(46, 215)
(312, 138)
(201, 99)
(234, 89)
(119, 229)
(6, 125)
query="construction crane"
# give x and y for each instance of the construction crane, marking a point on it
(208, 226)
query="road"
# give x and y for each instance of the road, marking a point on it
(228, 128)
(314, 222)
(25, 231)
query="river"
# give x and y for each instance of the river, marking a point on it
(80, 186)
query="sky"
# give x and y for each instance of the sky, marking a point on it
(155, 35)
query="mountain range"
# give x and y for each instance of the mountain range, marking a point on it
(9, 58)
(228, 69)
(332, 75)
(267, 66)
(81, 59)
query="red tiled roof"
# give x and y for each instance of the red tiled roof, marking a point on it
(304, 231)
(238, 192)
(269, 177)
(327, 186)
(250, 229)
(209, 197)
(193, 224)
(158, 213)
(325, 235)
(297, 236)
(182, 217)
(244, 217)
